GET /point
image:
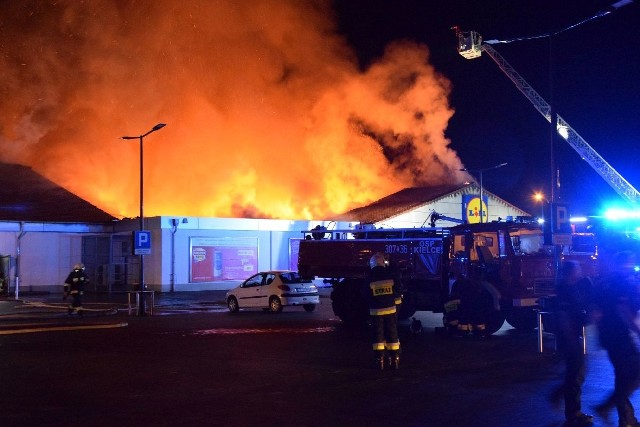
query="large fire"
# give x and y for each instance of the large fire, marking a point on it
(267, 113)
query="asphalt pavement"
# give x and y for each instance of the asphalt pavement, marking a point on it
(193, 363)
(36, 306)
(106, 307)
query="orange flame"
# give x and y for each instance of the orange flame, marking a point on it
(267, 114)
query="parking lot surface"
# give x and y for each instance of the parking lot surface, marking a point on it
(194, 363)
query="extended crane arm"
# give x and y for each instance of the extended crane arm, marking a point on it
(538, 101)
(595, 160)
(470, 46)
(435, 216)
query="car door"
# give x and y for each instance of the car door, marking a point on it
(264, 290)
(249, 294)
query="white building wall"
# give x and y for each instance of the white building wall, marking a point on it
(46, 259)
(451, 206)
(499, 209)
(49, 251)
(7, 243)
(273, 237)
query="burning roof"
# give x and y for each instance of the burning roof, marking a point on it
(268, 114)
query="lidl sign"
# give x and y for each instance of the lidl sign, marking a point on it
(473, 209)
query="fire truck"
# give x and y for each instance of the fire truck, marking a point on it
(508, 259)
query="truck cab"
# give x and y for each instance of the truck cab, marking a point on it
(512, 262)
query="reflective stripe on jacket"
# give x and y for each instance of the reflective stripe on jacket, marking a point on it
(383, 296)
(75, 281)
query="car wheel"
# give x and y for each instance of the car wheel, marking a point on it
(309, 307)
(232, 303)
(275, 305)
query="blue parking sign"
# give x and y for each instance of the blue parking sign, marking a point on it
(141, 242)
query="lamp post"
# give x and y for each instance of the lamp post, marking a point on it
(481, 171)
(174, 228)
(141, 311)
(539, 197)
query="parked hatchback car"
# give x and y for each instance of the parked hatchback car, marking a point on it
(272, 290)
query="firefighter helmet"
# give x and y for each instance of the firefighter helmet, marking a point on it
(78, 266)
(377, 260)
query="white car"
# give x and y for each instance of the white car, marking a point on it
(272, 290)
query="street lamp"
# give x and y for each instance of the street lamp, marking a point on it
(539, 197)
(140, 137)
(481, 171)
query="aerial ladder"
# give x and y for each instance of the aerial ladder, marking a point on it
(470, 46)
(435, 216)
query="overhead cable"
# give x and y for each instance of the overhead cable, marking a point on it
(615, 6)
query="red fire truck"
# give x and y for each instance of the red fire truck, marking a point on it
(507, 258)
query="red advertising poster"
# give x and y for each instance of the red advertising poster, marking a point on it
(223, 258)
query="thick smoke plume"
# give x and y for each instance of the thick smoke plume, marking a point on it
(267, 113)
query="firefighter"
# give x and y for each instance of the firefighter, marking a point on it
(472, 310)
(617, 304)
(74, 286)
(574, 295)
(384, 299)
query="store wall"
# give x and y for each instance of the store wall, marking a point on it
(47, 252)
(170, 265)
(451, 206)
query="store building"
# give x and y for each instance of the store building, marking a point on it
(45, 230)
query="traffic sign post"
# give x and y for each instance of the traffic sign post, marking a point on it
(141, 247)
(142, 242)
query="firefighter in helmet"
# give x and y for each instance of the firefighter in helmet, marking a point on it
(74, 286)
(384, 297)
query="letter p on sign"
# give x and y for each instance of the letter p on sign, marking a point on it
(141, 242)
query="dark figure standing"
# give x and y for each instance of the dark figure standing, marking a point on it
(74, 286)
(618, 303)
(384, 297)
(473, 308)
(573, 293)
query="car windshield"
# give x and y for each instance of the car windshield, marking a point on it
(292, 277)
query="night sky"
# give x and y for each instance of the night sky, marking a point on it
(589, 74)
(347, 101)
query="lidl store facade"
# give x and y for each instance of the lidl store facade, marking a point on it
(183, 254)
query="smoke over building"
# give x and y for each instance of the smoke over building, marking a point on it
(267, 112)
